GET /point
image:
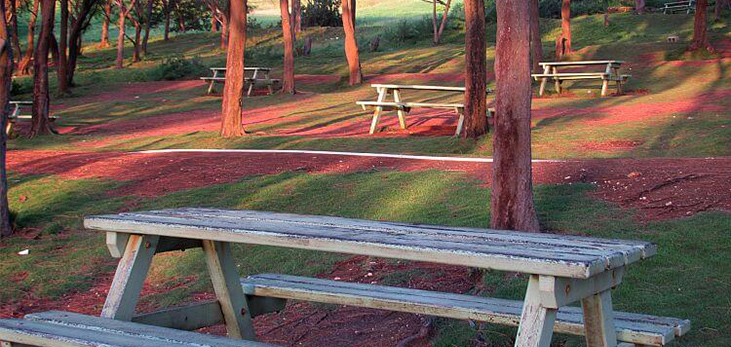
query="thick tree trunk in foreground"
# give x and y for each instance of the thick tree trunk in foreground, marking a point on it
(288, 33)
(24, 65)
(536, 47)
(6, 75)
(512, 187)
(105, 24)
(233, 90)
(62, 68)
(700, 27)
(566, 26)
(475, 102)
(41, 101)
(351, 44)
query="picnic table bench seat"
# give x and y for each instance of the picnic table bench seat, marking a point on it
(632, 328)
(679, 6)
(16, 115)
(609, 74)
(250, 81)
(66, 329)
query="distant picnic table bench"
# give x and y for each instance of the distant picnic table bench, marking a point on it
(18, 116)
(610, 73)
(254, 80)
(403, 107)
(679, 6)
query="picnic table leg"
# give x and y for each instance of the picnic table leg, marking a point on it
(129, 277)
(460, 121)
(401, 113)
(536, 321)
(226, 284)
(213, 81)
(544, 80)
(269, 85)
(251, 84)
(557, 81)
(599, 320)
(377, 112)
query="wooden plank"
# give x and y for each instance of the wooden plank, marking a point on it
(599, 320)
(225, 279)
(581, 62)
(630, 327)
(536, 321)
(377, 113)
(78, 326)
(558, 255)
(401, 112)
(129, 277)
(116, 243)
(190, 317)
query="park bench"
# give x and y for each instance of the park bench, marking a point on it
(679, 6)
(609, 74)
(562, 270)
(402, 107)
(17, 116)
(65, 329)
(251, 82)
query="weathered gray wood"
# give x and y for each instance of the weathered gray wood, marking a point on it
(401, 113)
(225, 279)
(56, 328)
(129, 277)
(377, 113)
(116, 243)
(555, 255)
(599, 320)
(536, 321)
(581, 62)
(630, 327)
(190, 317)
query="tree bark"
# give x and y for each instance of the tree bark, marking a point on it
(535, 36)
(475, 102)
(78, 26)
(700, 27)
(14, 28)
(233, 90)
(351, 44)
(439, 30)
(214, 23)
(24, 65)
(62, 69)
(288, 33)
(120, 38)
(148, 25)
(136, 42)
(297, 15)
(181, 20)
(566, 26)
(512, 187)
(6, 76)
(105, 24)
(166, 9)
(41, 102)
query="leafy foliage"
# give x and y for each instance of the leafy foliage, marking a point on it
(178, 68)
(410, 31)
(322, 13)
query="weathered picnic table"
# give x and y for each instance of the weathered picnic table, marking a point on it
(402, 107)
(679, 6)
(562, 270)
(254, 80)
(17, 116)
(610, 73)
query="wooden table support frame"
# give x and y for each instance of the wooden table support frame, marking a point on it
(219, 76)
(610, 74)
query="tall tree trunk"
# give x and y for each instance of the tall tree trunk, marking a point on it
(438, 31)
(214, 23)
(62, 69)
(6, 76)
(351, 44)
(14, 28)
(79, 24)
(53, 49)
(475, 70)
(233, 90)
(435, 27)
(297, 15)
(41, 101)
(288, 32)
(535, 36)
(148, 25)
(24, 66)
(700, 27)
(181, 20)
(512, 187)
(224, 31)
(136, 43)
(105, 24)
(166, 9)
(120, 37)
(566, 26)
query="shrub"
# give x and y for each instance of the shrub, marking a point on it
(410, 31)
(322, 13)
(18, 88)
(177, 68)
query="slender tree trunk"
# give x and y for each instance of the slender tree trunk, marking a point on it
(41, 101)
(24, 66)
(166, 7)
(62, 69)
(288, 33)
(297, 15)
(512, 187)
(475, 70)
(53, 49)
(233, 90)
(224, 32)
(700, 27)
(566, 25)
(351, 44)
(78, 25)
(214, 23)
(14, 28)
(105, 24)
(148, 25)
(6, 76)
(181, 20)
(443, 24)
(136, 43)
(120, 37)
(535, 36)
(435, 26)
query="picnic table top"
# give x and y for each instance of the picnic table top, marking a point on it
(22, 102)
(250, 68)
(578, 63)
(533, 253)
(421, 87)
